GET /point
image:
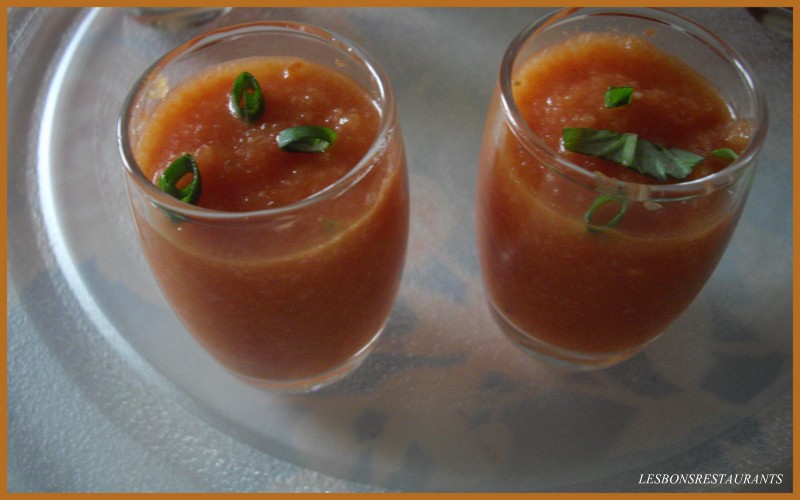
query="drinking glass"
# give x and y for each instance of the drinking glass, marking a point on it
(292, 297)
(177, 18)
(583, 269)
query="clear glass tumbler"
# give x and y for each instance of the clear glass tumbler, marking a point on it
(579, 267)
(291, 297)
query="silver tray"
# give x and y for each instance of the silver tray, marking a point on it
(107, 392)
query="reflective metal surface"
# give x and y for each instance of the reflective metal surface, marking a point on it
(107, 392)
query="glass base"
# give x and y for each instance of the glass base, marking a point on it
(177, 18)
(316, 382)
(558, 356)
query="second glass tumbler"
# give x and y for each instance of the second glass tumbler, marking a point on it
(617, 156)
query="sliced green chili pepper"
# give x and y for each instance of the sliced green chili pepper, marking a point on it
(175, 172)
(600, 201)
(246, 97)
(306, 139)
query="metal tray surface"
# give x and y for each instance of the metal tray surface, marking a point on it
(108, 392)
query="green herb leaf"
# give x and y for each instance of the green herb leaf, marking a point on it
(179, 168)
(726, 153)
(606, 144)
(306, 139)
(247, 99)
(599, 202)
(631, 151)
(618, 96)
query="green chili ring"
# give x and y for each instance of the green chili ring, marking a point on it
(169, 179)
(306, 139)
(247, 99)
(600, 201)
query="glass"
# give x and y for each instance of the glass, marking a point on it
(565, 277)
(293, 297)
(177, 18)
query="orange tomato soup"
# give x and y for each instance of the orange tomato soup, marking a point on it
(601, 292)
(291, 295)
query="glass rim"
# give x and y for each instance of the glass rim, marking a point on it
(635, 191)
(349, 49)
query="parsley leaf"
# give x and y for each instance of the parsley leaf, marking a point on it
(631, 151)
(618, 96)
(726, 153)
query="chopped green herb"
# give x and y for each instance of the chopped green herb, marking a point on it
(167, 182)
(726, 153)
(247, 99)
(306, 139)
(631, 151)
(618, 96)
(600, 201)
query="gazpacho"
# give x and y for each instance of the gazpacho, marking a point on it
(287, 264)
(580, 274)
